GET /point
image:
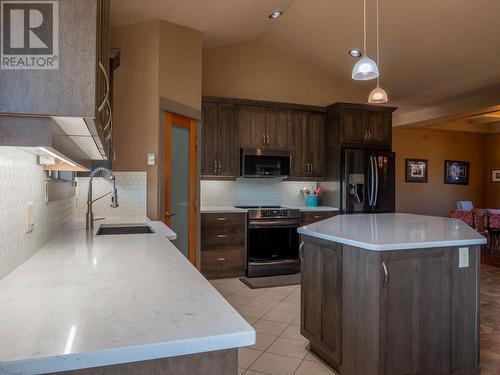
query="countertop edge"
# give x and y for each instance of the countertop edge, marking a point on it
(136, 353)
(221, 210)
(392, 247)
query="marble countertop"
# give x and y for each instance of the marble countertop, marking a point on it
(381, 232)
(86, 300)
(217, 210)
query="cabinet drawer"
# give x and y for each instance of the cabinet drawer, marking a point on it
(215, 238)
(223, 263)
(223, 220)
(311, 217)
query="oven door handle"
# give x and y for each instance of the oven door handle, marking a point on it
(273, 224)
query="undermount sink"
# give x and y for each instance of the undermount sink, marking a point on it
(108, 229)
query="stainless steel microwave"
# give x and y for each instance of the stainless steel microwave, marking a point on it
(259, 163)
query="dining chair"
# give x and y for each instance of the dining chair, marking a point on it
(494, 229)
(481, 224)
(465, 205)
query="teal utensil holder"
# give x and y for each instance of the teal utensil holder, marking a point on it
(311, 200)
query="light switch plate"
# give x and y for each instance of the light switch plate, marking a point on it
(463, 257)
(151, 159)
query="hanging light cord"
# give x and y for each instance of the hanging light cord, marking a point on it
(364, 26)
(378, 46)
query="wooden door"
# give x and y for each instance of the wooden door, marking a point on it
(298, 130)
(316, 144)
(180, 182)
(252, 127)
(354, 125)
(228, 148)
(379, 126)
(415, 326)
(209, 139)
(277, 129)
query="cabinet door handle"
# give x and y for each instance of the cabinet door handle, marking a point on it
(386, 274)
(220, 166)
(318, 217)
(369, 135)
(221, 259)
(222, 236)
(215, 166)
(365, 136)
(301, 251)
(263, 139)
(221, 218)
(268, 139)
(312, 169)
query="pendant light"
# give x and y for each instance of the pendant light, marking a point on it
(378, 94)
(365, 69)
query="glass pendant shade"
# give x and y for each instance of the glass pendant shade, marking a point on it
(365, 69)
(378, 96)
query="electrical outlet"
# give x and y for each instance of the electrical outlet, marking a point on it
(29, 217)
(463, 257)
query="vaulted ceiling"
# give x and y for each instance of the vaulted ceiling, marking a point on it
(430, 50)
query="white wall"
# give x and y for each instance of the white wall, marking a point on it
(22, 180)
(253, 192)
(131, 195)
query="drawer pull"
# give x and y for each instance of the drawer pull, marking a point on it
(222, 236)
(221, 259)
(301, 251)
(318, 217)
(221, 218)
(386, 274)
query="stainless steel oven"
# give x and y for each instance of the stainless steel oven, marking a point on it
(272, 241)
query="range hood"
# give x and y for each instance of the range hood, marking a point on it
(66, 141)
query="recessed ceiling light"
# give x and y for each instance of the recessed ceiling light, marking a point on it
(276, 14)
(355, 52)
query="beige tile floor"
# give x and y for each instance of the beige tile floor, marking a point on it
(274, 313)
(281, 350)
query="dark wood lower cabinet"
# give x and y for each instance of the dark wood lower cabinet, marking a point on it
(223, 245)
(395, 312)
(222, 362)
(311, 217)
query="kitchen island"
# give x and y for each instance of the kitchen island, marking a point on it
(387, 294)
(116, 304)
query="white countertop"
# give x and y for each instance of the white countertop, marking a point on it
(219, 210)
(85, 301)
(380, 232)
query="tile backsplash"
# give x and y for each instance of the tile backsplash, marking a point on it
(131, 195)
(253, 192)
(22, 181)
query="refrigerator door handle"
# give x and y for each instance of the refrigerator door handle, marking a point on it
(375, 196)
(372, 181)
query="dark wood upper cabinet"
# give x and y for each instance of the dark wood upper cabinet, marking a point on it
(307, 131)
(363, 125)
(252, 124)
(228, 149)
(209, 139)
(220, 141)
(316, 144)
(298, 131)
(277, 129)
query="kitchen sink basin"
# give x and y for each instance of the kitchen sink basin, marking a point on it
(108, 229)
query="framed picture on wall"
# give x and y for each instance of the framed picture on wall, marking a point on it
(495, 175)
(416, 170)
(456, 172)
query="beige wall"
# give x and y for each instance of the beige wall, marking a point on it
(492, 162)
(256, 70)
(158, 59)
(436, 197)
(180, 64)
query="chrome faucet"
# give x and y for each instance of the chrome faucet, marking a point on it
(114, 196)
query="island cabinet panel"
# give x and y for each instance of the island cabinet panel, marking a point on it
(415, 303)
(223, 245)
(321, 298)
(400, 312)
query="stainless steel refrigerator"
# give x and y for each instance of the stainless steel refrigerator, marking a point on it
(368, 181)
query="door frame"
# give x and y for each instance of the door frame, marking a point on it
(172, 119)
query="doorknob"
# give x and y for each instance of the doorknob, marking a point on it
(170, 213)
